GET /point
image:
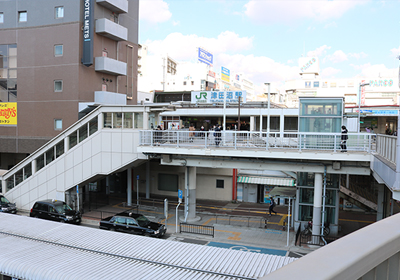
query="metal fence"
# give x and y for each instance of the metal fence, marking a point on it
(196, 229)
(257, 140)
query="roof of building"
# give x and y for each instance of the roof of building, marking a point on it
(40, 249)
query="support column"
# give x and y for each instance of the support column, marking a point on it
(252, 123)
(190, 205)
(381, 194)
(129, 187)
(148, 179)
(261, 122)
(316, 229)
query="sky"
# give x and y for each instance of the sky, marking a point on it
(265, 39)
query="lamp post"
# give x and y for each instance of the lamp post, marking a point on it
(359, 104)
(269, 101)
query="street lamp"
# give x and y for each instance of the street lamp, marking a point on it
(359, 104)
(269, 101)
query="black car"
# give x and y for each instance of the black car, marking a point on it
(133, 223)
(6, 206)
(55, 210)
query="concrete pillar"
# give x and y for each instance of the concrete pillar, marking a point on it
(252, 123)
(261, 122)
(129, 187)
(190, 206)
(145, 118)
(148, 179)
(316, 229)
(381, 194)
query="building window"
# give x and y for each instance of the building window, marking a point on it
(8, 73)
(57, 124)
(1, 17)
(22, 16)
(58, 86)
(58, 50)
(59, 12)
(184, 83)
(220, 184)
(192, 83)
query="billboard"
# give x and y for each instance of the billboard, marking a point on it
(309, 65)
(88, 31)
(218, 96)
(8, 113)
(225, 74)
(205, 57)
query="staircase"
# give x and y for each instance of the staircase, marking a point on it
(360, 192)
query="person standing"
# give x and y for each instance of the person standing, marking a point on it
(202, 132)
(217, 135)
(191, 133)
(343, 139)
(272, 205)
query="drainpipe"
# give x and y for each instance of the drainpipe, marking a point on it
(234, 185)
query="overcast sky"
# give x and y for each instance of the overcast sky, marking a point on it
(264, 39)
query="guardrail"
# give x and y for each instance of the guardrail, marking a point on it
(386, 147)
(196, 229)
(257, 140)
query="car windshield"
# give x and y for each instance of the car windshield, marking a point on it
(4, 200)
(142, 221)
(61, 208)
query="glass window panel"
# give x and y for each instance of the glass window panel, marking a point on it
(18, 177)
(28, 171)
(3, 75)
(1, 18)
(3, 61)
(57, 124)
(73, 140)
(306, 195)
(330, 197)
(12, 74)
(93, 126)
(3, 94)
(58, 50)
(291, 123)
(12, 96)
(83, 132)
(128, 122)
(305, 212)
(60, 149)
(58, 86)
(12, 84)
(12, 50)
(4, 50)
(305, 179)
(59, 12)
(40, 162)
(117, 120)
(138, 120)
(22, 16)
(12, 62)
(10, 183)
(107, 120)
(49, 156)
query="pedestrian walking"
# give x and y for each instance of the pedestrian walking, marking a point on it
(343, 139)
(217, 135)
(158, 135)
(272, 205)
(202, 129)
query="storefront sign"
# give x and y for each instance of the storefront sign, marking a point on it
(218, 96)
(205, 57)
(8, 113)
(381, 83)
(380, 112)
(225, 74)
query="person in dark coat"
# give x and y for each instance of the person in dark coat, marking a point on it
(217, 135)
(343, 139)
(271, 206)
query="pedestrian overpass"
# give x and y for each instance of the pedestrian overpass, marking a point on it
(111, 139)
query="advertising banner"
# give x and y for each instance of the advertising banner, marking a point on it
(225, 74)
(363, 93)
(8, 113)
(218, 96)
(205, 57)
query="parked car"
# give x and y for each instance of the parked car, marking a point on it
(55, 210)
(133, 223)
(6, 206)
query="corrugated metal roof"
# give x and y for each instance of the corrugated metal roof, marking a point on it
(274, 181)
(39, 249)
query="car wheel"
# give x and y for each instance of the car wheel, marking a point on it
(112, 229)
(62, 221)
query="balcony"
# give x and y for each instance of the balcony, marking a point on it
(110, 66)
(111, 30)
(117, 6)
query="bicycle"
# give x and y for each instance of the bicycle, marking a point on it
(308, 229)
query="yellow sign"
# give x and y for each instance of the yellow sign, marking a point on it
(8, 113)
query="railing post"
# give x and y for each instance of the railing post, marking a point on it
(151, 138)
(177, 139)
(235, 140)
(205, 139)
(300, 142)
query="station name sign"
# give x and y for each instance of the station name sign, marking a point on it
(218, 96)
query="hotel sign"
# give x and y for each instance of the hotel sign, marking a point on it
(8, 113)
(88, 30)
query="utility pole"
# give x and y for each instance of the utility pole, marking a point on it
(239, 115)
